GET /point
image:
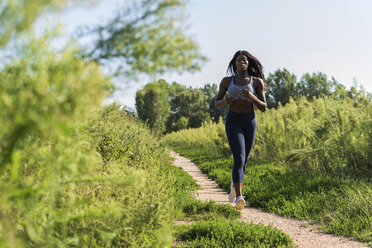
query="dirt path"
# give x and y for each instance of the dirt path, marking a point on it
(302, 233)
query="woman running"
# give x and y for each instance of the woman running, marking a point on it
(245, 87)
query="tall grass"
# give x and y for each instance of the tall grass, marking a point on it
(311, 160)
(325, 134)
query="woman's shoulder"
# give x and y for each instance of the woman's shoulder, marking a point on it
(257, 81)
(226, 81)
(227, 78)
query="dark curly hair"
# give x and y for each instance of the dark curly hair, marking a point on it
(254, 66)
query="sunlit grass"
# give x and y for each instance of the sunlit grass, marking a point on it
(336, 195)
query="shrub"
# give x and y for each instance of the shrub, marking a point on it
(72, 176)
(223, 233)
(198, 210)
(44, 97)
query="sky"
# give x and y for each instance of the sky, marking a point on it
(330, 36)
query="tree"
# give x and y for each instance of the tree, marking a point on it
(198, 118)
(152, 104)
(191, 104)
(282, 86)
(146, 36)
(359, 94)
(17, 16)
(181, 123)
(211, 90)
(174, 89)
(340, 92)
(316, 85)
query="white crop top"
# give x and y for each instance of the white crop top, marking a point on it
(234, 90)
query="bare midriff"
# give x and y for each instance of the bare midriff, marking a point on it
(241, 106)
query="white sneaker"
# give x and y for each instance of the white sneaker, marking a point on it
(240, 203)
(232, 195)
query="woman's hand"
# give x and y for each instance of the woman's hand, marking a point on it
(259, 100)
(246, 93)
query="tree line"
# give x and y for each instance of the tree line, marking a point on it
(168, 107)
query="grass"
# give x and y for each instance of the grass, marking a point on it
(342, 205)
(215, 225)
(225, 233)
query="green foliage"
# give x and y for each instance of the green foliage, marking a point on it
(44, 93)
(198, 210)
(326, 134)
(146, 36)
(214, 225)
(17, 16)
(354, 218)
(120, 137)
(283, 86)
(198, 118)
(192, 104)
(188, 101)
(70, 180)
(133, 162)
(330, 135)
(328, 144)
(209, 139)
(316, 85)
(184, 184)
(75, 176)
(152, 104)
(44, 96)
(171, 107)
(222, 233)
(181, 123)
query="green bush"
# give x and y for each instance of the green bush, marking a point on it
(223, 233)
(72, 175)
(133, 161)
(44, 97)
(198, 210)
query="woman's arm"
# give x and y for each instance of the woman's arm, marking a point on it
(220, 100)
(259, 100)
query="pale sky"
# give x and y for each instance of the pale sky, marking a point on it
(330, 36)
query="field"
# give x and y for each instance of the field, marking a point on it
(311, 160)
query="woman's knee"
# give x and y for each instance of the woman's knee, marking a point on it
(239, 160)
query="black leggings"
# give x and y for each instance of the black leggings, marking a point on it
(240, 131)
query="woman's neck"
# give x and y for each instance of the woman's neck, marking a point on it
(242, 74)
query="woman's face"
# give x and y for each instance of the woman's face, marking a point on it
(241, 63)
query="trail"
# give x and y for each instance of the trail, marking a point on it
(302, 233)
